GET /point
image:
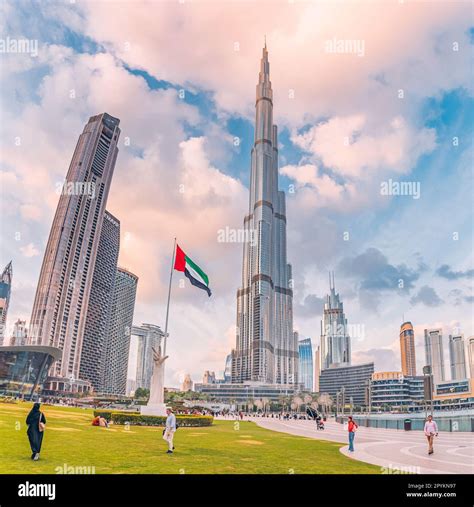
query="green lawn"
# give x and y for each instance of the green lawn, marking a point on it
(221, 448)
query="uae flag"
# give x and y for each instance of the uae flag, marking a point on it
(191, 271)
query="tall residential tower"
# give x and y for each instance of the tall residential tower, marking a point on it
(434, 353)
(62, 296)
(266, 350)
(457, 356)
(5, 291)
(407, 349)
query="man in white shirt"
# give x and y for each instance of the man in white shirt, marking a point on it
(170, 428)
(431, 429)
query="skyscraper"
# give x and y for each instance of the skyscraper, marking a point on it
(407, 349)
(149, 337)
(5, 291)
(93, 357)
(470, 351)
(20, 333)
(335, 340)
(434, 353)
(457, 356)
(61, 302)
(305, 367)
(187, 383)
(228, 368)
(117, 342)
(317, 369)
(266, 350)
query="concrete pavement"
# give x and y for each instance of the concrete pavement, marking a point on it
(395, 450)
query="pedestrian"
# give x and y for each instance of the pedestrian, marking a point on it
(169, 430)
(431, 430)
(36, 422)
(351, 427)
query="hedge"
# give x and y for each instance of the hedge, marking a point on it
(135, 419)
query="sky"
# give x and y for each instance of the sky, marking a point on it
(367, 95)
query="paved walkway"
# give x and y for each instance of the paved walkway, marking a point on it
(396, 450)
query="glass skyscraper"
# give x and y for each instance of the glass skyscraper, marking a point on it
(407, 349)
(335, 340)
(434, 353)
(93, 360)
(61, 302)
(457, 355)
(117, 342)
(266, 350)
(5, 290)
(306, 368)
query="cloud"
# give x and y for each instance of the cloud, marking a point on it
(427, 296)
(374, 272)
(312, 306)
(445, 272)
(350, 149)
(29, 250)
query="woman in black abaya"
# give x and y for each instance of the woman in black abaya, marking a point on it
(35, 430)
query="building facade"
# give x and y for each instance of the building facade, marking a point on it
(305, 367)
(354, 380)
(317, 369)
(228, 368)
(407, 349)
(187, 383)
(24, 369)
(209, 377)
(61, 302)
(335, 340)
(434, 354)
(93, 358)
(149, 337)
(265, 351)
(470, 350)
(20, 333)
(457, 357)
(5, 291)
(117, 343)
(394, 390)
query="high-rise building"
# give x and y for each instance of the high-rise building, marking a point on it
(209, 377)
(228, 368)
(266, 350)
(5, 291)
(62, 296)
(434, 353)
(187, 383)
(335, 339)
(117, 342)
(149, 337)
(407, 349)
(470, 350)
(20, 333)
(457, 356)
(93, 359)
(305, 367)
(317, 369)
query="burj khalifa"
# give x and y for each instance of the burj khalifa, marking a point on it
(266, 348)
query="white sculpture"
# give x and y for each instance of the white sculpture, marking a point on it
(156, 403)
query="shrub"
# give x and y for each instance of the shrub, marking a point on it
(135, 419)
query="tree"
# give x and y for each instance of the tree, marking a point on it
(141, 393)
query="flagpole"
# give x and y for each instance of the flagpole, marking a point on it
(169, 296)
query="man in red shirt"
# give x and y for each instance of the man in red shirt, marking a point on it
(351, 426)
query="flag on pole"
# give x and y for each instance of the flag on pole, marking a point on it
(191, 270)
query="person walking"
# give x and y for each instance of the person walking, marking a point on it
(351, 427)
(36, 422)
(168, 433)
(431, 430)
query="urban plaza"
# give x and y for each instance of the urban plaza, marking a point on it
(228, 285)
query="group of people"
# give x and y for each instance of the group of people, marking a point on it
(430, 431)
(36, 422)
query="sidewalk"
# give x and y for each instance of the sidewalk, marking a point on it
(396, 450)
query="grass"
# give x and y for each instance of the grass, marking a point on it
(223, 448)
